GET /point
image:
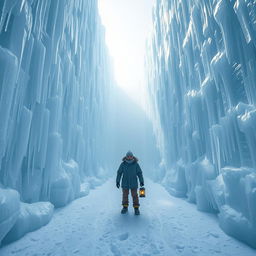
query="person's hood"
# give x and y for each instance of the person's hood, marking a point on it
(135, 159)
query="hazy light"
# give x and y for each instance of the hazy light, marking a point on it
(127, 23)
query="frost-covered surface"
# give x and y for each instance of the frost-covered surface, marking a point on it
(31, 217)
(202, 83)
(54, 80)
(93, 225)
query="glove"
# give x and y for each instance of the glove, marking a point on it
(142, 184)
(117, 184)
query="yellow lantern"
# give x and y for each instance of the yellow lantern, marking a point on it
(142, 192)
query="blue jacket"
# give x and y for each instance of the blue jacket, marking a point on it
(129, 173)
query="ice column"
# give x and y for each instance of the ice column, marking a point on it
(54, 83)
(202, 85)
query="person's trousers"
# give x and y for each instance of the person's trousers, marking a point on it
(135, 197)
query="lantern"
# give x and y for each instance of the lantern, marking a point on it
(142, 192)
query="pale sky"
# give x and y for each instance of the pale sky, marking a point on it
(127, 23)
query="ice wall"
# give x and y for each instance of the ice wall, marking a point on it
(54, 81)
(202, 84)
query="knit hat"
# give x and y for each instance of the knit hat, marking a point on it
(129, 153)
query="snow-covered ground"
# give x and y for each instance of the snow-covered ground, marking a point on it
(93, 225)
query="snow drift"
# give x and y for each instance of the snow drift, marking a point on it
(201, 80)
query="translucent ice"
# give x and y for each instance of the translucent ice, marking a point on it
(30, 218)
(54, 82)
(9, 210)
(201, 80)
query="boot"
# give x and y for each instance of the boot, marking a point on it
(136, 211)
(124, 210)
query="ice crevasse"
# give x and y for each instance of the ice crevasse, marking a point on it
(54, 80)
(201, 66)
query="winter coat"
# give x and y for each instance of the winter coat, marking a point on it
(129, 173)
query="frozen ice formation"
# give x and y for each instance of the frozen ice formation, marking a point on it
(54, 81)
(31, 217)
(202, 84)
(10, 208)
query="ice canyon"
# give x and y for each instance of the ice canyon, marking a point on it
(65, 124)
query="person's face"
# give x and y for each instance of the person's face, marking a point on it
(130, 157)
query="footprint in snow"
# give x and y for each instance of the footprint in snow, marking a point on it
(213, 234)
(180, 247)
(115, 250)
(123, 236)
(106, 234)
(33, 239)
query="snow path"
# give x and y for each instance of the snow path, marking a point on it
(93, 225)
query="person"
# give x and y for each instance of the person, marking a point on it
(129, 170)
